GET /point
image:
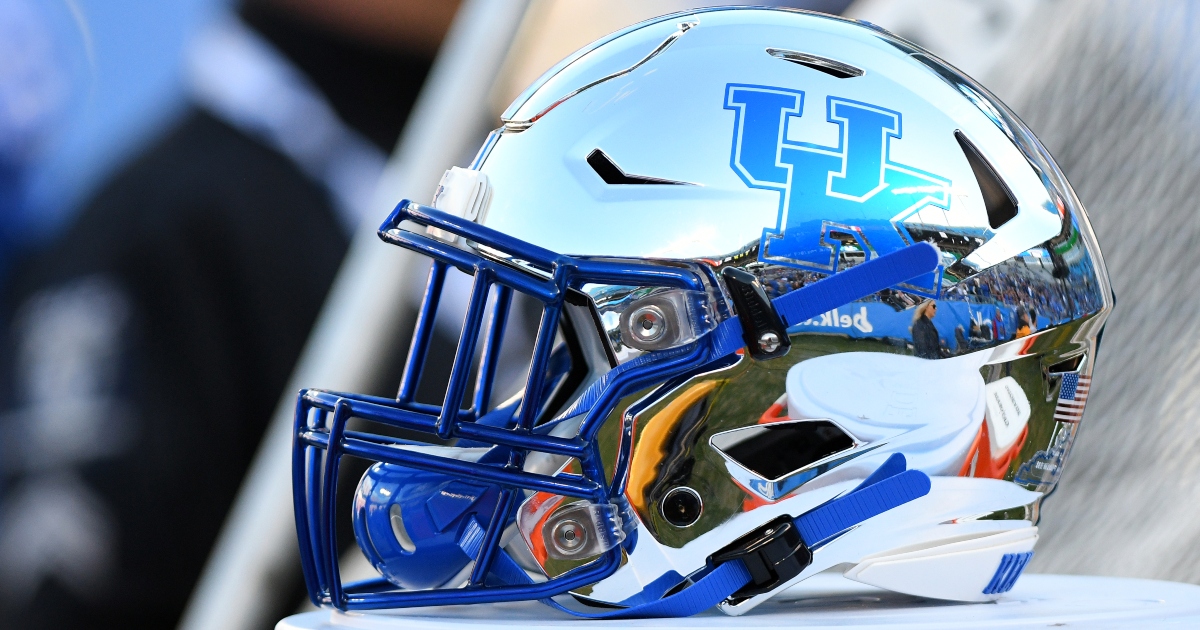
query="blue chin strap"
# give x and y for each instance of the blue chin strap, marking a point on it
(763, 562)
(471, 527)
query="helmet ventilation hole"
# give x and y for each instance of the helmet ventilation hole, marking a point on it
(399, 531)
(612, 174)
(774, 451)
(832, 67)
(1068, 365)
(997, 198)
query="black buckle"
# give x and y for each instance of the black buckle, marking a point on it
(762, 329)
(773, 553)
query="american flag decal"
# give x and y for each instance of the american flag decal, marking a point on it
(1071, 396)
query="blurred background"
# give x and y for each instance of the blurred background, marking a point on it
(188, 196)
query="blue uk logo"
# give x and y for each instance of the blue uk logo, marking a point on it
(831, 197)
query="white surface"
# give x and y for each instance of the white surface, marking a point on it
(1037, 601)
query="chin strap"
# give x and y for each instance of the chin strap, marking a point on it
(759, 315)
(857, 282)
(754, 564)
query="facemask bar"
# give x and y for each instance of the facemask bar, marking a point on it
(321, 437)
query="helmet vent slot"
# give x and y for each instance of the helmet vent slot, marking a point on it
(1068, 365)
(997, 198)
(612, 174)
(831, 67)
(396, 518)
(774, 451)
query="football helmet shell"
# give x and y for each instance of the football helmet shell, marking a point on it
(745, 343)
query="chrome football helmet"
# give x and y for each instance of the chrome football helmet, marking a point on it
(804, 297)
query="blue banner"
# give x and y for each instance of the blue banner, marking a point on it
(878, 320)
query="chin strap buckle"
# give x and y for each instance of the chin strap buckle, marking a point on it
(763, 329)
(773, 554)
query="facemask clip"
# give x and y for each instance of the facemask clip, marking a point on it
(569, 532)
(773, 554)
(762, 329)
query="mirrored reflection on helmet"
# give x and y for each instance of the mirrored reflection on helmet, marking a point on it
(680, 409)
(642, 319)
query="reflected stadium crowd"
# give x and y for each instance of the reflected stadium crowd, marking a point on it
(1046, 299)
(1046, 288)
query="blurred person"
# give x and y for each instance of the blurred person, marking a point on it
(199, 268)
(926, 342)
(34, 86)
(1024, 323)
(34, 91)
(978, 334)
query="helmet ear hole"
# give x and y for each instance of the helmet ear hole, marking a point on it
(398, 529)
(682, 506)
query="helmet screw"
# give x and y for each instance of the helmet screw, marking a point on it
(768, 342)
(569, 536)
(648, 324)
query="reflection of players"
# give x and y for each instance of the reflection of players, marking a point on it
(980, 335)
(972, 339)
(1024, 323)
(926, 342)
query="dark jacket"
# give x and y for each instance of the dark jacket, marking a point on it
(926, 343)
(192, 281)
